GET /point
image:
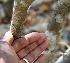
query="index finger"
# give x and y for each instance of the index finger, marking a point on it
(8, 37)
(25, 40)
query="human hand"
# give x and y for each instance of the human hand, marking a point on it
(29, 46)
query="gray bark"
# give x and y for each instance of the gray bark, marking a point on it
(55, 26)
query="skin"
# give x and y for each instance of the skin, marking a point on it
(29, 46)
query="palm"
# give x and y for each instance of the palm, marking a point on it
(32, 45)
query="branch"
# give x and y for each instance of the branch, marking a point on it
(18, 18)
(55, 26)
(65, 58)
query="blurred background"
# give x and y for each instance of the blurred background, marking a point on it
(39, 14)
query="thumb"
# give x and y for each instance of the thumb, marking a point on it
(8, 37)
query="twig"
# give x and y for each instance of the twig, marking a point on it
(65, 58)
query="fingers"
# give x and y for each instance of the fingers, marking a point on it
(21, 61)
(36, 52)
(32, 36)
(24, 41)
(32, 46)
(8, 37)
(41, 59)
